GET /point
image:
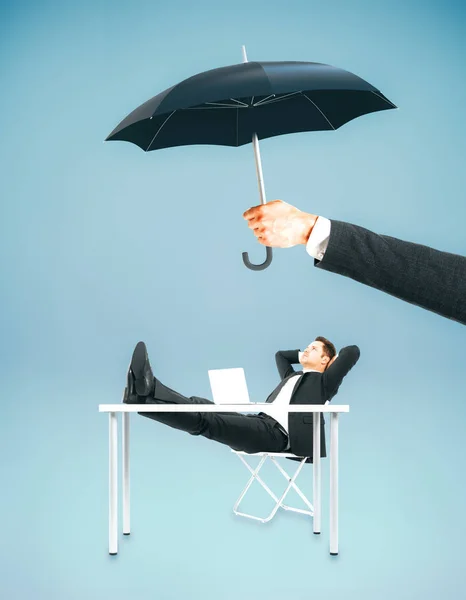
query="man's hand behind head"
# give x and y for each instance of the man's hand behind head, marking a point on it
(332, 361)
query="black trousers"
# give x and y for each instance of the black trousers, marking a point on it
(247, 433)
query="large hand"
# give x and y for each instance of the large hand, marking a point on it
(279, 224)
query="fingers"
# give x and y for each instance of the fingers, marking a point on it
(259, 231)
(256, 226)
(260, 228)
(253, 213)
(258, 212)
(262, 240)
(265, 238)
(272, 242)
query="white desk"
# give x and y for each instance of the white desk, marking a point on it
(268, 408)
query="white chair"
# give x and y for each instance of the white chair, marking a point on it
(279, 502)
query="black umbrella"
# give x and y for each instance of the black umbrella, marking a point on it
(232, 106)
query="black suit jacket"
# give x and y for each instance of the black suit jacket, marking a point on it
(312, 388)
(415, 273)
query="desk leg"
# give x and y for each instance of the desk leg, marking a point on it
(317, 494)
(113, 482)
(334, 483)
(125, 473)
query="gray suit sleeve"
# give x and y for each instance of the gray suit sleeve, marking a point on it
(418, 274)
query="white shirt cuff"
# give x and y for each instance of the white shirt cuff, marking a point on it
(318, 240)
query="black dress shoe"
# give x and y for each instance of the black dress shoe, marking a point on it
(130, 396)
(141, 371)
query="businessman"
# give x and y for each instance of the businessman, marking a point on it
(418, 274)
(323, 371)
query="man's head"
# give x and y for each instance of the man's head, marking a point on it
(318, 354)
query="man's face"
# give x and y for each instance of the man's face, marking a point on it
(313, 356)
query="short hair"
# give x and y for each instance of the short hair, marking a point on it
(328, 348)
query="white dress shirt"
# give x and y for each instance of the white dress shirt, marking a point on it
(318, 240)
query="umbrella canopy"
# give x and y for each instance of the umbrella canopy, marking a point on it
(226, 106)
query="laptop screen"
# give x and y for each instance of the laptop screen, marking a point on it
(229, 386)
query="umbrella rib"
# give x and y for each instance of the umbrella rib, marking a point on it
(235, 106)
(262, 102)
(384, 99)
(239, 102)
(319, 110)
(220, 105)
(158, 130)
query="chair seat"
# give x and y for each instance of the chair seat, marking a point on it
(284, 454)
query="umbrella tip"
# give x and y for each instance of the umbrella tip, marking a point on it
(245, 56)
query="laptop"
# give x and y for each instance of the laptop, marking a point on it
(229, 386)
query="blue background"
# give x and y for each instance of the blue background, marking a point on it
(102, 245)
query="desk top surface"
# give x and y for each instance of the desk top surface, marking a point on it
(251, 407)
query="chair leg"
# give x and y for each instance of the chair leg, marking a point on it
(309, 512)
(255, 476)
(291, 483)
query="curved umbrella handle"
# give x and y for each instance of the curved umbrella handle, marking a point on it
(263, 265)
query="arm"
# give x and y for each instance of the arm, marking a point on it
(418, 274)
(284, 360)
(334, 374)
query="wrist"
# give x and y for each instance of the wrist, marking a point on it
(308, 222)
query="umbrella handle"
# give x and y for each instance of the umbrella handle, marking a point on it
(263, 265)
(260, 180)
